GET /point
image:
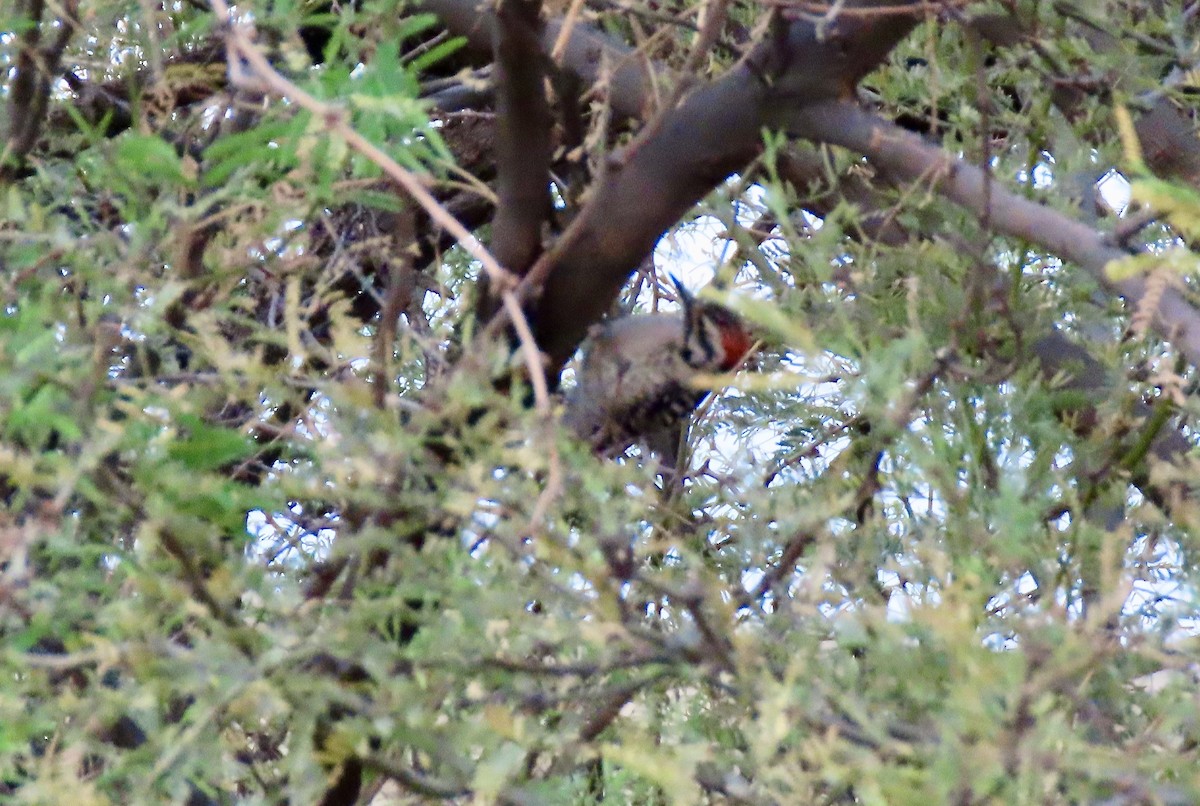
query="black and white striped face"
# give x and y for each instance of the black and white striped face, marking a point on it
(707, 334)
(701, 337)
(714, 338)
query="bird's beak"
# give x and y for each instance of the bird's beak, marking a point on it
(686, 298)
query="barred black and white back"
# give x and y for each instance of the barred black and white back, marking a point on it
(635, 382)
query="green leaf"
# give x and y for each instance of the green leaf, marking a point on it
(415, 24)
(207, 447)
(150, 157)
(1179, 203)
(46, 412)
(437, 53)
(267, 144)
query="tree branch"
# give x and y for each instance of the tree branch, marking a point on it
(1058, 357)
(684, 154)
(1166, 132)
(906, 157)
(522, 136)
(29, 93)
(589, 54)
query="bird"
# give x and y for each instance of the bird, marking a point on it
(635, 381)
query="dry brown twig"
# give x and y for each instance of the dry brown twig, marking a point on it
(827, 12)
(1146, 308)
(564, 33)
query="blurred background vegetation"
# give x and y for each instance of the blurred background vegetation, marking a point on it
(278, 527)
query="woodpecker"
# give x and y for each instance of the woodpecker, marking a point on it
(635, 379)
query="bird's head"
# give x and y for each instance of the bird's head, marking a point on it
(715, 339)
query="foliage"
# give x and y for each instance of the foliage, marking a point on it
(276, 516)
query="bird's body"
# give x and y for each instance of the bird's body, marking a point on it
(635, 382)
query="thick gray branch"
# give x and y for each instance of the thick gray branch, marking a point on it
(906, 157)
(522, 136)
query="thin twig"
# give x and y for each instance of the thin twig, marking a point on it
(564, 33)
(825, 9)
(714, 16)
(415, 781)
